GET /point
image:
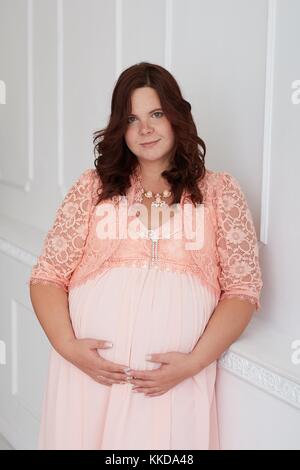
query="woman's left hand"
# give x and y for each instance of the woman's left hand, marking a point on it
(175, 367)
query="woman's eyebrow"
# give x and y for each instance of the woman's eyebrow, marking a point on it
(150, 112)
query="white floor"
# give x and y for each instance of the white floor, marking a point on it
(4, 445)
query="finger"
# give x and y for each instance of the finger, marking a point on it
(163, 358)
(113, 375)
(154, 394)
(142, 383)
(144, 375)
(148, 390)
(105, 381)
(102, 380)
(111, 366)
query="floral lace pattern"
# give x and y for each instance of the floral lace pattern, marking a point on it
(236, 241)
(228, 261)
(64, 243)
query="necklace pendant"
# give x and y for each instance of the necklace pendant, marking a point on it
(158, 204)
(140, 193)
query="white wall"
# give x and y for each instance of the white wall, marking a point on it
(235, 61)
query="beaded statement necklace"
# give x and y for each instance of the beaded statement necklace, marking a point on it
(141, 193)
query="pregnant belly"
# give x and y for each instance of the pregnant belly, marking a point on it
(141, 312)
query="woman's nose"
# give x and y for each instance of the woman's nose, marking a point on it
(145, 128)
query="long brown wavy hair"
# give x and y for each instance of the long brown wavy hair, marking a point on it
(115, 162)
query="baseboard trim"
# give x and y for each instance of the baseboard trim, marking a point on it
(265, 379)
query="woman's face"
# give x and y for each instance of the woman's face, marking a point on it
(147, 123)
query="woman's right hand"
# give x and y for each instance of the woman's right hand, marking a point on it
(83, 354)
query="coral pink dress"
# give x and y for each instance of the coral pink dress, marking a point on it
(142, 307)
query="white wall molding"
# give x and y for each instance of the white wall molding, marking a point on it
(118, 37)
(60, 98)
(14, 347)
(16, 253)
(267, 380)
(268, 120)
(9, 432)
(168, 34)
(30, 109)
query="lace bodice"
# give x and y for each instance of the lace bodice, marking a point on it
(227, 259)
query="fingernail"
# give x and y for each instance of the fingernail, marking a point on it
(148, 357)
(127, 370)
(108, 343)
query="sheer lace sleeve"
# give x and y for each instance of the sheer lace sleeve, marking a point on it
(239, 270)
(64, 243)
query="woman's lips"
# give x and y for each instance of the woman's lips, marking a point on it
(150, 144)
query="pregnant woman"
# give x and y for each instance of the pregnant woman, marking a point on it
(148, 274)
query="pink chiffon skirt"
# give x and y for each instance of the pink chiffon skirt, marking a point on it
(141, 311)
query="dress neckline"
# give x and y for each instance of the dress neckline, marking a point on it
(157, 229)
(136, 189)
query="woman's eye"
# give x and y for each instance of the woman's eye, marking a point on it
(133, 117)
(158, 112)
